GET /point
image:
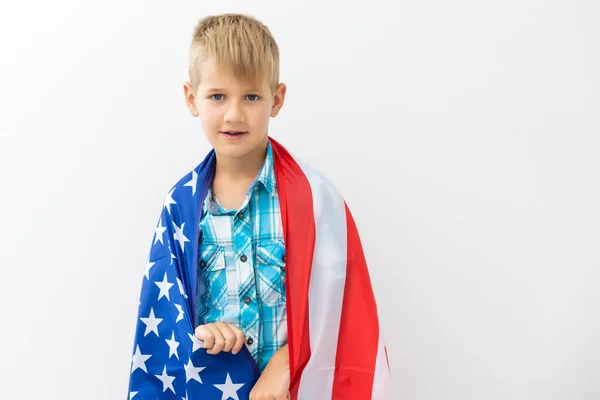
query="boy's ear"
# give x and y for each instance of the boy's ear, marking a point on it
(278, 99)
(190, 99)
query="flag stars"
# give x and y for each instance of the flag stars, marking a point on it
(229, 389)
(179, 236)
(139, 361)
(147, 269)
(172, 256)
(181, 313)
(164, 286)
(159, 231)
(193, 182)
(166, 380)
(169, 200)
(151, 323)
(173, 344)
(192, 372)
(196, 343)
(181, 290)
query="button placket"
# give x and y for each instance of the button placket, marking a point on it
(249, 311)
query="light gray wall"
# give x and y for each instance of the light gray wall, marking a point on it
(463, 135)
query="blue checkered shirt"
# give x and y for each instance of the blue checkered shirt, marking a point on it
(242, 262)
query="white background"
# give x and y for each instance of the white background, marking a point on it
(463, 135)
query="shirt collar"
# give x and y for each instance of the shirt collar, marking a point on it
(266, 176)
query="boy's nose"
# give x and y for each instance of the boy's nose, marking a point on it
(234, 114)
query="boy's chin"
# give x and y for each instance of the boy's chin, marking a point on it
(237, 149)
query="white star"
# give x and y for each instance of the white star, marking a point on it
(173, 344)
(229, 389)
(192, 183)
(151, 323)
(192, 372)
(172, 256)
(164, 286)
(178, 235)
(147, 270)
(180, 284)
(197, 343)
(169, 200)
(132, 394)
(166, 380)
(159, 230)
(139, 360)
(181, 313)
(185, 398)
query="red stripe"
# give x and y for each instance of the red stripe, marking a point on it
(295, 198)
(358, 338)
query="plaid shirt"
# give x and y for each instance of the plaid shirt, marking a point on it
(243, 265)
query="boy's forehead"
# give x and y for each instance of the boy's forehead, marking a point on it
(215, 75)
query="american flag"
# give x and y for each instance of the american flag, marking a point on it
(335, 344)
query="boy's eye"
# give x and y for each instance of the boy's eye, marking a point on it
(252, 97)
(217, 97)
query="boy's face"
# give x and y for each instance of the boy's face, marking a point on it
(225, 104)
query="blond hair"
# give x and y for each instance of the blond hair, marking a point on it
(235, 41)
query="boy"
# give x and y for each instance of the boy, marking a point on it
(264, 243)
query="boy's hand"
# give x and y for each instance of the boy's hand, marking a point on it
(274, 383)
(221, 336)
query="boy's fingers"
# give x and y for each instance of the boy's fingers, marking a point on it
(228, 335)
(205, 334)
(220, 336)
(219, 340)
(240, 339)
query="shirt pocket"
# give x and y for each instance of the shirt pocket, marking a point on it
(270, 260)
(212, 266)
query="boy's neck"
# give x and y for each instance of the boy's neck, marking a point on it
(241, 169)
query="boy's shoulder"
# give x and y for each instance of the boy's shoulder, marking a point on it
(190, 184)
(318, 180)
(325, 195)
(321, 186)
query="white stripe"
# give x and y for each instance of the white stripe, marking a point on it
(382, 382)
(326, 289)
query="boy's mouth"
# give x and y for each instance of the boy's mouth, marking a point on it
(233, 134)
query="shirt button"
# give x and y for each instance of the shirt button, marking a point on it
(283, 258)
(250, 341)
(247, 300)
(241, 215)
(203, 263)
(243, 258)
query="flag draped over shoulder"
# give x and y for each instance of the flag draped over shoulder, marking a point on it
(335, 344)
